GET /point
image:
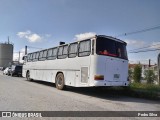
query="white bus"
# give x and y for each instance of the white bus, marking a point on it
(96, 61)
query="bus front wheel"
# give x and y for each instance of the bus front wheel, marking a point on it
(60, 81)
(28, 76)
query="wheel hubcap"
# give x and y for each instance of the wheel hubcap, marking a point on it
(59, 82)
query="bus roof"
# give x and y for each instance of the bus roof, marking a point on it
(91, 37)
(104, 36)
(112, 38)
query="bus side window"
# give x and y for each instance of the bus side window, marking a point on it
(65, 51)
(40, 55)
(62, 52)
(31, 57)
(84, 48)
(49, 54)
(44, 55)
(37, 55)
(52, 54)
(34, 56)
(72, 50)
(28, 56)
(24, 59)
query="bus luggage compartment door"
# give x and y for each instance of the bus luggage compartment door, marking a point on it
(84, 74)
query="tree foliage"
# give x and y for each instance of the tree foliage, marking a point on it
(150, 76)
(137, 73)
(130, 74)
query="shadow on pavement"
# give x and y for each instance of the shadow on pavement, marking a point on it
(107, 93)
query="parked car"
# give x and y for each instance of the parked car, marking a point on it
(1, 68)
(16, 70)
(6, 71)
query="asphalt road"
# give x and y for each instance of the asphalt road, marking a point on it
(18, 94)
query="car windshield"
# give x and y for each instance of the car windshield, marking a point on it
(109, 47)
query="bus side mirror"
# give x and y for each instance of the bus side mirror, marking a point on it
(23, 58)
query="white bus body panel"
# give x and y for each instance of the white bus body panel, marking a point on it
(70, 67)
(115, 71)
(80, 71)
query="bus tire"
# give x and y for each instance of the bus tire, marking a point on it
(60, 85)
(28, 76)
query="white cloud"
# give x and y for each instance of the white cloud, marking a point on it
(135, 43)
(31, 37)
(24, 34)
(34, 38)
(155, 45)
(84, 35)
(48, 35)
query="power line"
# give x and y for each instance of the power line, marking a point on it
(34, 47)
(143, 47)
(145, 50)
(139, 31)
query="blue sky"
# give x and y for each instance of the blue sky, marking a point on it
(43, 23)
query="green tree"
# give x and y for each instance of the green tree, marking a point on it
(137, 73)
(150, 76)
(130, 74)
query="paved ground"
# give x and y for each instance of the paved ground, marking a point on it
(18, 94)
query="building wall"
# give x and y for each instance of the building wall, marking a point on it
(6, 54)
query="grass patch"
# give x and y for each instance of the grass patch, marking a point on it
(148, 91)
(148, 87)
(138, 90)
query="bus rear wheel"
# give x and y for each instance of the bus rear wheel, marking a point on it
(60, 81)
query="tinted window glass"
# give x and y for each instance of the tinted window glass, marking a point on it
(62, 52)
(28, 57)
(52, 53)
(84, 48)
(73, 50)
(65, 51)
(18, 68)
(45, 54)
(41, 54)
(31, 57)
(121, 50)
(108, 47)
(34, 55)
(37, 55)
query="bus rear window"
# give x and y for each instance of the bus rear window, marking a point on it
(108, 47)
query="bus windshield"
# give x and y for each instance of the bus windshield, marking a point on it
(108, 47)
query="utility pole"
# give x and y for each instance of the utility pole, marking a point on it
(25, 49)
(149, 62)
(8, 39)
(158, 68)
(19, 57)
